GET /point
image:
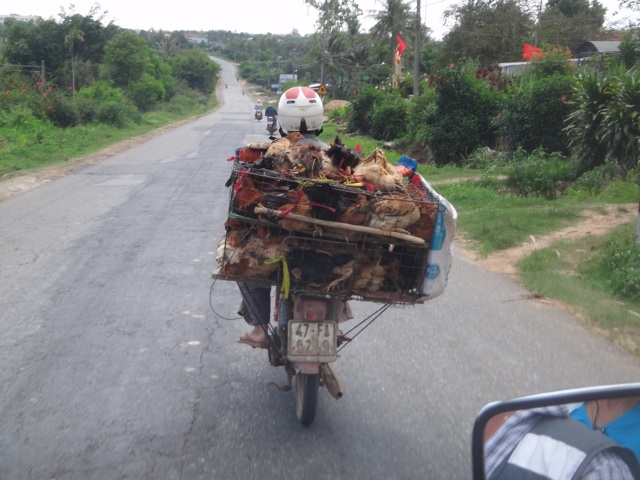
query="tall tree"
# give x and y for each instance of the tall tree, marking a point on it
(33, 43)
(125, 59)
(74, 36)
(487, 31)
(631, 5)
(570, 22)
(336, 15)
(395, 18)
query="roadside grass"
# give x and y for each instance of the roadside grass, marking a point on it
(39, 144)
(571, 271)
(495, 221)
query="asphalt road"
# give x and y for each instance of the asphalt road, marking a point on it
(120, 361)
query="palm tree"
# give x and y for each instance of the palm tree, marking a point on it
(74, 35)
(395, 16)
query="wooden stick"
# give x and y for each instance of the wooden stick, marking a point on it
(345, 226)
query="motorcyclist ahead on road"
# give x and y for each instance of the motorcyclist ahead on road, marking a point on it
(271, 111)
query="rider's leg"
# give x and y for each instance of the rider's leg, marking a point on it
(256, 309)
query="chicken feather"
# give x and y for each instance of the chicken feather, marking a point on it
(394, 214)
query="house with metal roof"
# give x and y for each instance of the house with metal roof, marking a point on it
(590, 48)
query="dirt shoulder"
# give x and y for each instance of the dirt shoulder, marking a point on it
(592, 223)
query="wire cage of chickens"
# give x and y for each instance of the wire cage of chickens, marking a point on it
(326, 237)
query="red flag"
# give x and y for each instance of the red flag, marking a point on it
(401, 47)
(529, 52)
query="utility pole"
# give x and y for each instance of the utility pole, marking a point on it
(416, 55)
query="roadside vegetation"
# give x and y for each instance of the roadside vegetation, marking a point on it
(73, 86)
(518, 155)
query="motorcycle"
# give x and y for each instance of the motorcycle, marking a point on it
(272, 124)
(305, 342)
(258, 115)
(492, 421)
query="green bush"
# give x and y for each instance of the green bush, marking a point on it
(419, 112)
(63, 113)
(451, 136)
(618, 262)
(462, 118)
(591, 94)
(179, 104)
(534, 115)
(116, 114)
(484, 158)
(620, 128)
(538, 174)
(630, 48)
(361, 109)
(126, 57)
(146, 93)
(104, 104)
(194, 67)
(21, 117)
(339, 115)
(604, 127)
(596, 180)
(389, 118)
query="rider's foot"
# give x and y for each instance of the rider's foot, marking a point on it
(256, 338)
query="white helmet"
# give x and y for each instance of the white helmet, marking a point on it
(300, 110)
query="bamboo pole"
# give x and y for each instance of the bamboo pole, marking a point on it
(345, 226)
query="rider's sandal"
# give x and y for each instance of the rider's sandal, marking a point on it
(247, 340)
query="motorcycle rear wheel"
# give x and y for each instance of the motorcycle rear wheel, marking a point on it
(307, 386)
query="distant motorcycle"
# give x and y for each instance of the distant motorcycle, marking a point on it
(258, 115)
(272, 124)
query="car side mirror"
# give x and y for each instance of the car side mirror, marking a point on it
(591, 409)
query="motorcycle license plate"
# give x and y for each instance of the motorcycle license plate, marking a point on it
(312, 341)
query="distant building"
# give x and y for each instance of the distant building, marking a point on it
(19, 18)
(509, 68)
(584, 50)
(591, 48)
(194, 38)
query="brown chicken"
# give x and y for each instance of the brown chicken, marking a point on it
(307, 161)
(396, 214)
(345, 271)
(428, 208)
(237, 232)
(278, 156)
(357, 213)
(301, 206)
(378, 171)
(369, 276)
(280, 144)
(259, 250)
(423, 228)
(245, 192)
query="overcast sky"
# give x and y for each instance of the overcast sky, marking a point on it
(249, 16)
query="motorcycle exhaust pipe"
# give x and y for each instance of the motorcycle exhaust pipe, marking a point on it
(331, 380)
